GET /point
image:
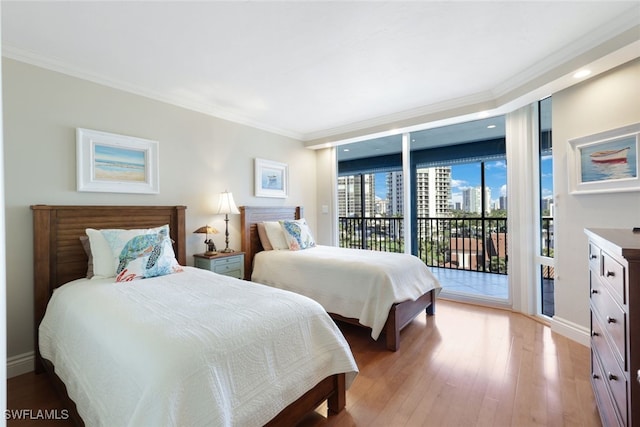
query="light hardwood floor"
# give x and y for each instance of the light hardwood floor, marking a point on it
(465, 366)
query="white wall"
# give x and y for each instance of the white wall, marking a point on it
(200, 156)
(605, 102)
(326, 192)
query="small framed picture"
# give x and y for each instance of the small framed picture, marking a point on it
(605, 162)
(271, 179)
(112, 163)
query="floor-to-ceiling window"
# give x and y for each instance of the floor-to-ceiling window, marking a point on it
(370, 201)
(545, 259)
(458, 203)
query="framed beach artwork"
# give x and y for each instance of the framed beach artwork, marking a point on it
(271, 178)
(113, 163)
(605, 162)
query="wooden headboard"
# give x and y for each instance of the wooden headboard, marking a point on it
(58, 256)
(249, 217)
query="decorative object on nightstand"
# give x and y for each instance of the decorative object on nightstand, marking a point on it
(211, 246)
(227, 206)
(229, 264)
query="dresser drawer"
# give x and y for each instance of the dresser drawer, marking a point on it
(611, 318)
(594, 258)
(608, 412)
(614, 273)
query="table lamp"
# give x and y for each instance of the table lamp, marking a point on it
(227, 206)
(211, 247)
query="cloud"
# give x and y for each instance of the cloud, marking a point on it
(459, 183)
(500, 164)
(503, 190)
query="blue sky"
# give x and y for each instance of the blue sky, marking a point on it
(468, 175)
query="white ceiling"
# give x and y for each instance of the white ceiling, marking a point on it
(310, 69)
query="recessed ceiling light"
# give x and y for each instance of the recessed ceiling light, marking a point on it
(582, 73)
(491, 126)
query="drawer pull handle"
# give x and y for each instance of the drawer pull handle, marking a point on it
(595, 376)
(594, 291)
(593, 256)
(594, 334)
(610, 274)
(611, 319)
(612, 377)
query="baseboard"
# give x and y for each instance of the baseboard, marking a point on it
(20, 364)
(571, 330)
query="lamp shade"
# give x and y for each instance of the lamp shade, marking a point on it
(207, 229)
(226, 205)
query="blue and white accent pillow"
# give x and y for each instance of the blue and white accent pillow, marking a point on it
(138, 254)
(297, 234)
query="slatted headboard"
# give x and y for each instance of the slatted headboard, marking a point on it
(58, 256)
(249, 217)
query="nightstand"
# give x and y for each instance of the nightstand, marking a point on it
(229, 264)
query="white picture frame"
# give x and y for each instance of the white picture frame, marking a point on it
(605, 162)
(271, 179)
(108, 162)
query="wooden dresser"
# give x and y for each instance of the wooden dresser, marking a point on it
(614, 270)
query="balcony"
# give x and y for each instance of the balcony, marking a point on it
(471, 244)
(468, 255)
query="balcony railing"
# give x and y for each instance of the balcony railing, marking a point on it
(477, 244)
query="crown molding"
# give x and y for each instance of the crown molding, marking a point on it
(59, 66)
(555, 60)
(620, 32)
(608, 47)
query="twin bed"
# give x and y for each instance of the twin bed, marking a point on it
(381, 291)
(192, 347)
(186, 348)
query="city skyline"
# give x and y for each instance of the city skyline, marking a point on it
(467, 175)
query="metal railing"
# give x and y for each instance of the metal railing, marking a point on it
(378, 234)
(477, 244)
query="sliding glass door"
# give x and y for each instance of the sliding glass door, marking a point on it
(458, 206)
(545, 258)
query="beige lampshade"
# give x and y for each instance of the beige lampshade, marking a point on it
(207, 229)
(226, 205)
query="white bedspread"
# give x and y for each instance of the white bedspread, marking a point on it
(359, 284)
(188, 349)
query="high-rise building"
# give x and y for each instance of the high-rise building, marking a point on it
(350, 189)
(433, 192)
(395, 195)
(503, 203)
(472, 200)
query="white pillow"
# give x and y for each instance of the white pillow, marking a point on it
(297, 234)
(103, 261)
(264, 239)
(138, 254)
(106, 247)
(275, 235)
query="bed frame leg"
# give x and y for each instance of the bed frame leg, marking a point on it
(337, 401)
(392, 330)
(431, 309)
